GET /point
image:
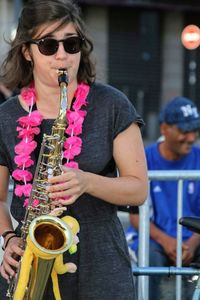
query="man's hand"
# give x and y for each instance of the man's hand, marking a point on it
(190, 248)
(187, 255)
(169, 246)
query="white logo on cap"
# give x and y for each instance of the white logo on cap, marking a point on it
(188, 110)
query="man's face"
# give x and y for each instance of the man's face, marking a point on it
(177, 141)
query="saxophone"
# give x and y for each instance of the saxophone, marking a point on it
(47, 234)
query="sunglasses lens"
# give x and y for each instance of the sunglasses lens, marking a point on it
(48, 46)
(73, 44)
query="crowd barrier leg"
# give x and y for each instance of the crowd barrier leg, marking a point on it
(143, 254)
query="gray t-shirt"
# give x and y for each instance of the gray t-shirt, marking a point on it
(108, 113)
(102, 243)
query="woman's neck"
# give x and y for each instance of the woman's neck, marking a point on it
(48, 99)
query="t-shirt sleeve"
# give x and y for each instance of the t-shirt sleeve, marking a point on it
(126, 114)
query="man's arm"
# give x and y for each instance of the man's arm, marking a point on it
(167, 242)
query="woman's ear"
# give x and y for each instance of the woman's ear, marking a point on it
(26, 53)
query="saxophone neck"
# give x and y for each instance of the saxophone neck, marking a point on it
(63, 83)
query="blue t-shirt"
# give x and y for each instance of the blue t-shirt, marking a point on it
(164, 193)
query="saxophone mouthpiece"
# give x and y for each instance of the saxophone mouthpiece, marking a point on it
(62, 76)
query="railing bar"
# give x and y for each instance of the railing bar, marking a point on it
(143, 256)
(179, 238)
(174, 175)
(137, 271)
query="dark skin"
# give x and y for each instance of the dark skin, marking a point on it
(176, 144)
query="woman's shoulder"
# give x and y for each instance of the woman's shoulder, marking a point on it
(8, 105)
(108, 89)
(108, 101)
(109, 95)
(10, 109)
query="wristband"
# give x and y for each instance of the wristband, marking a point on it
(7, 232)
(3, 236)
(6, 244)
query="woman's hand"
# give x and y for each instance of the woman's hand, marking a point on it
(10, 263)
(66, 188)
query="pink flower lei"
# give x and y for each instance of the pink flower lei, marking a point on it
(29, 127)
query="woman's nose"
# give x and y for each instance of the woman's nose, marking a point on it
(61, 51)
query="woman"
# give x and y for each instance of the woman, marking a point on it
(106, 136)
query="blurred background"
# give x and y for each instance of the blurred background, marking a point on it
(138, 49)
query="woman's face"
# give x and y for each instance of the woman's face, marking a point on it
(45, 67)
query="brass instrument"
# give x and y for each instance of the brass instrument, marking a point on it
(49, 234)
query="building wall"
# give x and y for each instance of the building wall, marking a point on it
(172, 57)
(173, 62)
(96, 19)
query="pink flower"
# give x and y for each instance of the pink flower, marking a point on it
(71, 164)
(81, 95)
(35, 202)
(23, 160)
(76, 116)
(23, 175)
(34, 119)
(75, 129)
(26, 202)
(73, 141)
(25, 148)
(29, 95)
(23, 190)
(27, 132)
(72, 146)
(75, 120)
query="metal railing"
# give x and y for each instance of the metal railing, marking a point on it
(143, 268)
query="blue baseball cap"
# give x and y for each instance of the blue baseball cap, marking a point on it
(181, 112)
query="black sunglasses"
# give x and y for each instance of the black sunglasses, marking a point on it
(49, 46)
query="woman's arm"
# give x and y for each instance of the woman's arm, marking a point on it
(5, 220)
(12, 248)
(130, 188)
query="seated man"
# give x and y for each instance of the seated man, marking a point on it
(179, 125)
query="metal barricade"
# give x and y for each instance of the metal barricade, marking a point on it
(143, 268)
